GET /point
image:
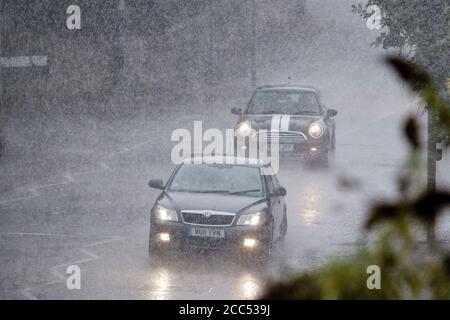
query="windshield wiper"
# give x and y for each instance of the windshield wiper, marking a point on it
(305, 112)
(212, 191)
(223, 191)
(245, 191)
(270, 112)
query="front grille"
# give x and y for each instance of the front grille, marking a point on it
(214, 218)
(282, 136)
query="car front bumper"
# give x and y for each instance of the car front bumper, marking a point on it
(310, 149)
(180, 237)
(307, 147)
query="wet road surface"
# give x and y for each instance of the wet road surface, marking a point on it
(92, 211)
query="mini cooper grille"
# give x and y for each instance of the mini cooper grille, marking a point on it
(283, 136)
(214, 219)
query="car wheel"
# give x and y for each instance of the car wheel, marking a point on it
(266, 248)
(332, 152)
(153, 247)
(283, 227)
(317, 161)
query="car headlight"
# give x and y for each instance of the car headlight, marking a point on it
(315, 130)
(164, 214)
(244, 129)
(253, 219)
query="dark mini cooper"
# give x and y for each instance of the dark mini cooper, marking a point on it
(217, 203)
(295, 116)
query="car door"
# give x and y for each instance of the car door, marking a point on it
(276, 203)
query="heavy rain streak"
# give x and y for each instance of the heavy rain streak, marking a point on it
(100, 97)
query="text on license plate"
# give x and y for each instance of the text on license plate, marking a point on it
(207, 232)
(286, 147)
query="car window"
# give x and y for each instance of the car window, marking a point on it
(231, 179)
(284, 102)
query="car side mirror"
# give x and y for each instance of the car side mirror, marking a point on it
(156, 184)
(331, 113)
(279, 191)
(236, 111)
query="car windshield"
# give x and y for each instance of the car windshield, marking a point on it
(227, 179)
(284, 102)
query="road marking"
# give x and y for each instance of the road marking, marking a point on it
(116, 238)
(29, 295)
(359, 145)
(69, 177)
(34, 189)
(91, 254)
(33, 192)
(43, 186)
(129, 149)
(104, 166)
(140, 144)
(16, 199)
(124, 150)
(61, 277)
(369, 123)
(37, 234)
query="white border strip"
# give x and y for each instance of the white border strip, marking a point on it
(23, 61)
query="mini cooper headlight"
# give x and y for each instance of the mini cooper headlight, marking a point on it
(164, 214)
(253, 219)
(315, 130)
(244, 129)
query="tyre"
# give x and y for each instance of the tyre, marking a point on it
(319, 161)
(265, 251)
(332, 151)
(153, 248)
(284, 227)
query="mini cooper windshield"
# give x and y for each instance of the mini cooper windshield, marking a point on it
(228, 179)
(292, 102)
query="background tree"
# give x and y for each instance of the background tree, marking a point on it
(420, 31)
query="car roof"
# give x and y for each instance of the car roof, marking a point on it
(226, 160)
(284, 86)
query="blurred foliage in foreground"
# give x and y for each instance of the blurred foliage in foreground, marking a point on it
(409, 269)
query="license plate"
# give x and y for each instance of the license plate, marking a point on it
(286, 147)
(207, 232)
